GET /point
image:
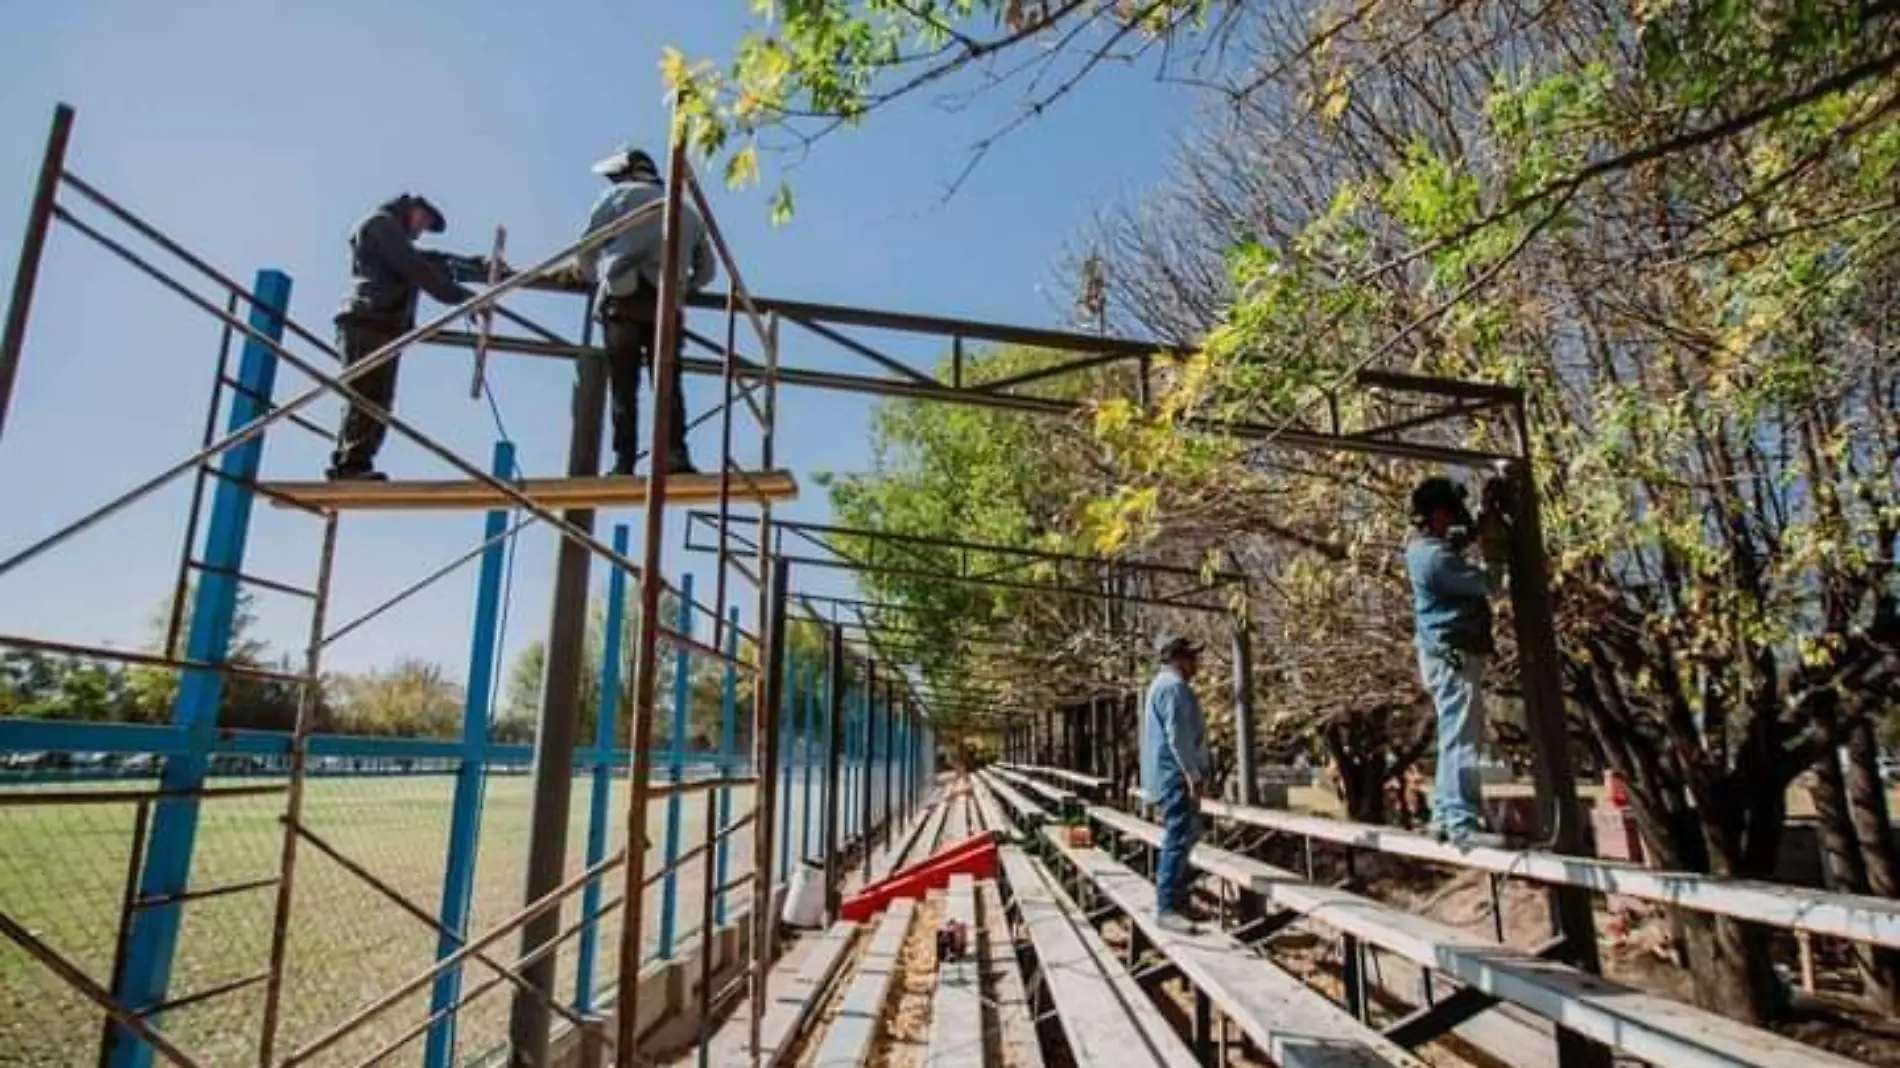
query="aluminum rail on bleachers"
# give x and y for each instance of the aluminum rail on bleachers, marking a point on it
(1293, 1024)
(1642, 1025)
(1024, 809)
(1074, 778)
(1853, 917)
(1106, 1019)
(988, 811)
(1055, 795)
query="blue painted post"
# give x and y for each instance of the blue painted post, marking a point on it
(676, 767)
(728, 729)
(465, 814)
(786, 737)
(603, 784)
(809, 766)
(153, 939)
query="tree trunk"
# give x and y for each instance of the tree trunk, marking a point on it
(1361, 777)
(1733, 967)
(1873, 828)
(1840, 847)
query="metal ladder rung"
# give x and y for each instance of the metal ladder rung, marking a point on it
(252, 580)
(182, 896)
(269, 405)
(218, 991)
(254, 486)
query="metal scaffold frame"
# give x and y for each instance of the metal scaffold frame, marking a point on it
(756, 547)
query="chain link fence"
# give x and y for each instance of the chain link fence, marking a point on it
(64, 870)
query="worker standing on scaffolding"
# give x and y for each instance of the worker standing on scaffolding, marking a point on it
(387, 271)
(626, 271)
(1175, 768)
(1451, 601)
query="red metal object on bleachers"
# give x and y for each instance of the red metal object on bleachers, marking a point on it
(975, 857)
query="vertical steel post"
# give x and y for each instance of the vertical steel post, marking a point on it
(709, 932)
(154, 936)
(1246, 768)
(788, 719)
(599, 816)
(666, 338)
(885, 806)
(1561, 815)
(675, 772)
(807, 766)
(39, 220)
(556, 731)
(308, 698)
(853, 745)
(833, 844)
(728, 764)
(867, 777)
(465, 814)
(765, 735)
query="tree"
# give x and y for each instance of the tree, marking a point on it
(1702, 330)
(521, 693)
(412, 698)
(248, 702)
(1668, 223)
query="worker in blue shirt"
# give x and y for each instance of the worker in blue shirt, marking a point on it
(1175, 768)
(1451, 602)
(626, 272)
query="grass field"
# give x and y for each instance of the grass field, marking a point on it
(62, 874)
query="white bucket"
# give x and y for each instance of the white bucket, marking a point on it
(805, 897)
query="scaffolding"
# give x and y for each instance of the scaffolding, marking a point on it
(762, 550)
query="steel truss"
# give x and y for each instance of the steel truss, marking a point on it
(1405, 404)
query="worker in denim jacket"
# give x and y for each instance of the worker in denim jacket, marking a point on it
(1174, 770)
(1451, 600)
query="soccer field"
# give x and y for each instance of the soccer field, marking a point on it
(62, 874)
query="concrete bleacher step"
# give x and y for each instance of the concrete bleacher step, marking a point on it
(1642, 1025)
(1009, 1024)
(1105, 1018)
(956, 1011)
(794, 988)
(1293, 1024)
(854, 1028)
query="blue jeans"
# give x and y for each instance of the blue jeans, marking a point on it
(1180, 827)
(1453, 679)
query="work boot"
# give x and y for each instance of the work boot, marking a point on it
(680, 462)
(355, 472)
(1175, 923)
(623, 466)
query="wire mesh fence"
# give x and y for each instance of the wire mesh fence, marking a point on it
(64, 871)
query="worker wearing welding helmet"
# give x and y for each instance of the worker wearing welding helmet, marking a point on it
(1451, 601)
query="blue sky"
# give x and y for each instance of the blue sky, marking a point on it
(257, 131)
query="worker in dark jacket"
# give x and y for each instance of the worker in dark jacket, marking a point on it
(387, 271)
(626, 272)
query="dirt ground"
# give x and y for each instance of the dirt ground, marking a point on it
(906, 1033)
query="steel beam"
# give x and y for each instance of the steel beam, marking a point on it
(558, 726)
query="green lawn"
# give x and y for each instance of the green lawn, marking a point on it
(62, 872)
